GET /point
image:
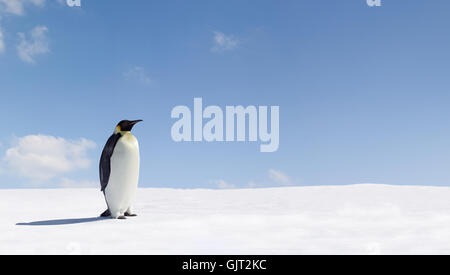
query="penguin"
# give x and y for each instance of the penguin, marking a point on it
(119, 171)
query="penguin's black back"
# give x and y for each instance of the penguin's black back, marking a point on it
(105, 160)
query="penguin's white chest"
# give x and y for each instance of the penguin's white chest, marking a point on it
(123, 181)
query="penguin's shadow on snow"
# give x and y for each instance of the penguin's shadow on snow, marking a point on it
(62, 221)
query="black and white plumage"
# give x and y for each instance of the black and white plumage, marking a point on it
(119, 170)
(105, 160)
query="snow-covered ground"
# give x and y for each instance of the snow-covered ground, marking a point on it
(363, 219)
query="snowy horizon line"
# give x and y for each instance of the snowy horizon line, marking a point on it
(233, 188)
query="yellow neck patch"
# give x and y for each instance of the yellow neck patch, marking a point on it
(119, 130)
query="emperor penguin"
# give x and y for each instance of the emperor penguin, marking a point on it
(119, 171)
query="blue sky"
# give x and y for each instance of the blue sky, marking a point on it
(363, 91)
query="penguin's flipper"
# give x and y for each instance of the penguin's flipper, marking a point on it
(106, 213)
(105, 160)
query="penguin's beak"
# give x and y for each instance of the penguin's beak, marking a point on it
(132, 123)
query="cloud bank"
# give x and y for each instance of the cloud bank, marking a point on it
(223, 42)
(41, 157)
(17, 7)
(2, 41)
(36, 44)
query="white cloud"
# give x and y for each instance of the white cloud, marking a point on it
(12, 6)
(279, 177)
(137, 74)
(224, 42)
(2, 42)
(221, 184)
(37, 44)
(41, 157)
(17, 7)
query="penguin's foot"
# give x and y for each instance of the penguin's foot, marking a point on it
(106, 213)
(121, 218)
(130, 214)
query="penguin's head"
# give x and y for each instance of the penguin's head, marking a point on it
(126, 125)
